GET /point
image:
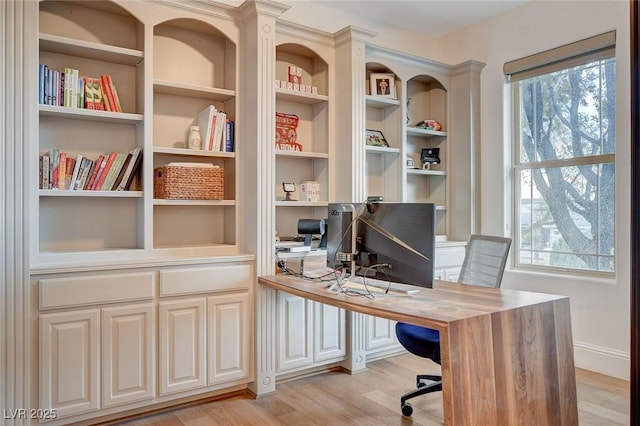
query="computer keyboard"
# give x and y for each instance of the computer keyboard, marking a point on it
(379, 286)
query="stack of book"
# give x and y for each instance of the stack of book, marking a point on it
(109, 172)
(67, 88)
(216, 130)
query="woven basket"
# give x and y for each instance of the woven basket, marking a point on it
(188, 183)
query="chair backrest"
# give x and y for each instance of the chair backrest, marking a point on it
(485, 260)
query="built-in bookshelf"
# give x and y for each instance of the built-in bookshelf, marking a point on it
(305, 97)
(427, 99)
(83, 221)
(384, 114)
(396, 172)
(179, 94)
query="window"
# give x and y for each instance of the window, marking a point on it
(564, 134)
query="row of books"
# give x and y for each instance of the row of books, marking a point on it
(67, 88)
(216, 130)
(109, 172)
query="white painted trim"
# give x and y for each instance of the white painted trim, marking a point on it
(607, 361)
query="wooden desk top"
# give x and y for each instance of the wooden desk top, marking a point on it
(437, 308)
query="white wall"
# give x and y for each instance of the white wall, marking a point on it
(600, 308)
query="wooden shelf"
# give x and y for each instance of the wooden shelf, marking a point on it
(192, 152)
(183, 89)
(159, 202)
(89, 114)
(83, 193)
(426, 172)
(300, 97)
(301, 154)
(382, 150)
(86, 49)
(380, 102)
(425, 133)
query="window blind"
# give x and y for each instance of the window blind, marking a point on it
(569, 55)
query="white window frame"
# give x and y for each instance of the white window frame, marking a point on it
(582, 52)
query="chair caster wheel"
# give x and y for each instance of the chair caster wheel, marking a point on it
(407, 409)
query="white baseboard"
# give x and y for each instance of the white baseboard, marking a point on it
(610, 362)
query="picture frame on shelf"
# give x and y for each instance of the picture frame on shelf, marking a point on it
(375, 138)
(383, 85)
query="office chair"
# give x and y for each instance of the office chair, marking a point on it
(483, 265)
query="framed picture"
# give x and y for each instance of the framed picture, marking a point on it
(383, 85)
(375, 138)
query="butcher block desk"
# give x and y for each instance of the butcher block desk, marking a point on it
(507, 355)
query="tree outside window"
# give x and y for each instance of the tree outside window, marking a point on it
(565, 167)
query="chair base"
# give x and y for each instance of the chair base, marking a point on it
(425, 384)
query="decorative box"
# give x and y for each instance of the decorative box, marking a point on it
(188, 181)
(310, 191)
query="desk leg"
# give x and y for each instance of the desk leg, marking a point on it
(511, 367)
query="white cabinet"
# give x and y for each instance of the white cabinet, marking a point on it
(204, 341)
(329, 332)
(229, 339)
(128, 363)
(380, 335)
(70, 362)
(295, 328)
(182, 350)
(81, 349)
(151, 335)
(309, 333)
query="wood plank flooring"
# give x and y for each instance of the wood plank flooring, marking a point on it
(371, 398)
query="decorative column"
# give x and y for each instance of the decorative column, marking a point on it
(464, 147)
(256, 163)
(350, 156)
(18, 95)
(351, 172)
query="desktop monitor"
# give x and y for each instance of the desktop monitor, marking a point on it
(401, 235)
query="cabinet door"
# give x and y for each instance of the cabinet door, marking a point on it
(329, 336)
(381, 333)
(127, 354)
(182, 349)
(295, 344)
(70, 362)
(228, 338)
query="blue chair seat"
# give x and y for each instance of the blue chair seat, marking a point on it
(484, 262)
(420, 341)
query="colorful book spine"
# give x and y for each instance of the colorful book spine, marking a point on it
(54, 159)
(116, 98)
(107, 168)
(70, 166)
(94, 171)
(76, 171)
(46, 165)
(229, 141)
(108, 94)
(100, 173)
(42, 75)
(132, 174)
(113, 171)
(62, 171)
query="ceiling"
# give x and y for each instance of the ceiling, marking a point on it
(434, 18)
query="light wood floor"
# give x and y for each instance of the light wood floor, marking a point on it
(372, 398)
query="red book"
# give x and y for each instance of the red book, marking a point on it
(104, 170)
(94, 172)
(109, 101)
